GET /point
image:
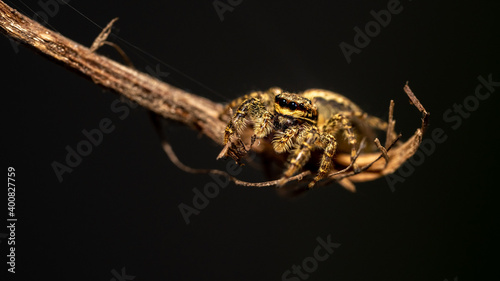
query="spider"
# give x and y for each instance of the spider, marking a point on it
(298, 124)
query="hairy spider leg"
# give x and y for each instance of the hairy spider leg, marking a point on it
(284, 141)
(302, 152)
(328, 141)
(254, 110)
(339, 120)
(267, 99)
(372, 121)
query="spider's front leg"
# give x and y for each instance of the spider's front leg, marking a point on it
(330, 144)
(253, 109)
(283, 141)
(341, 121)
(305, 143)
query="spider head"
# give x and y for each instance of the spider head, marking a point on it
(295, 106)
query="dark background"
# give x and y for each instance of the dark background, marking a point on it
(119, 207)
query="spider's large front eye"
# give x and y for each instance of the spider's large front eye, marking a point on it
(282, 102)
(293, 106)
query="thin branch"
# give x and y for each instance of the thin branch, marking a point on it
(383, 150)
(391, 135)
(101, 38)
(420, 107)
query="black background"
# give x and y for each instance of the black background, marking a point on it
(119, 207)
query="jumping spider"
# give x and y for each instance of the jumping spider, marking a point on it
(299, 124)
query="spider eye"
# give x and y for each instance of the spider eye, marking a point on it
(301, 106)
(293, 106)
(282, 102)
